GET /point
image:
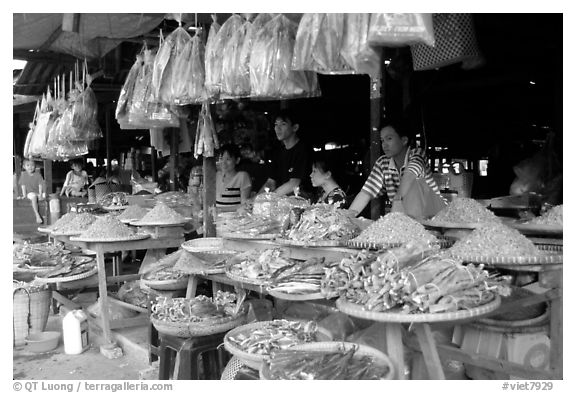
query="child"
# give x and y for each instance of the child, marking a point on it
(75, 181)
(321, 177)
(32, 185)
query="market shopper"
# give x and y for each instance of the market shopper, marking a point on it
(32, 186)
(290, 168)
(76, 180)
(233, 187)
(322, 177)
(411, 188)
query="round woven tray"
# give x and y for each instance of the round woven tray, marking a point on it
(138, 236)
(139, 223)
(537, 229)
(319, 243)
(245, 236)
(209, 269)
(32, 269)
(443, 242)
(204, 244)
(295, 297)
(195, 329)
(246, 280)
(166, 285)
(54, 280)
(115, 207)
(379, 358)
(358, 311)
(253, 360)
(44, 230)
(451, 225)
(67, 233)
(128, 220)
(551, 258)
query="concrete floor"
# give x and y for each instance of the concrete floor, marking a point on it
(90, 365)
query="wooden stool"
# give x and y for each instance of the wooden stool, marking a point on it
(187, 353)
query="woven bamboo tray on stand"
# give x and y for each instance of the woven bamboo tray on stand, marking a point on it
(166, 285)
(196, 329)
(552, 255)
(379, 358)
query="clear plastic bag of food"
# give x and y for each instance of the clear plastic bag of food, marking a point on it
(72, 149)
(215, 55)
(159, 63)
(270, 63)
(328, 45)
(142, 90)
(52, 143)
(125, 98)
(401, 29)
(211, 70)
(174, 77)
(251, 32)
(356, 51)
(235, 81)
(206, 138)
(85, 113)
(182, 76)
(306, 36)
(196, 92)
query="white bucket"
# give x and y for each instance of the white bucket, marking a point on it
(75, 332)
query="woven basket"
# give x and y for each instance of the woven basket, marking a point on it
(196, 329)
(204, 244)
(254, 360)
(30, 313)
(379, 358)
(167, 285)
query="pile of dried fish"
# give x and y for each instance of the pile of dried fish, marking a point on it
(63, 222)
(314, 365)
(108, 227)
(258, 264)
(78, 224)
(277, 334)
(132, 213)
(551, 217)
(199, 309)
(412, 280)
(36, 255)
(465, 211)
(162, 214)
(164, 273)
(494, 240)
(71, 265)
(323, 222)
(394, 228)
(299, 278)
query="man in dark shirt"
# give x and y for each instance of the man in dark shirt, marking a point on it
(292, 166)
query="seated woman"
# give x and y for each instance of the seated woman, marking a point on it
(321, 176)
(233, 187)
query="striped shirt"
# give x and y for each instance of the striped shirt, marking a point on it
(385, 177)
(228, 195)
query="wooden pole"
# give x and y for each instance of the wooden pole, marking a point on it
(108, 143)
(153, 163)
(209, 172)
(48, 176)
(174, 155)
(375, 152)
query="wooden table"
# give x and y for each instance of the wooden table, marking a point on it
(156, 249)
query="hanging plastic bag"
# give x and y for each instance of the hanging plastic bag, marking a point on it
(125, 98)
(72, 149)
(26, 150)
(217, 54)
(196, 92)
(181, 76)
(270, 63)
(85, 112)
(400, 29)
(328, 45)
(212, 72)
(356, 51)
(306, 36)
(206, 141)
(251, 32)
(166, 77)
(235, 82)
(142, 90)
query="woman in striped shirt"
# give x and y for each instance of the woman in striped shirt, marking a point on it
(395, 172)
(232, 187)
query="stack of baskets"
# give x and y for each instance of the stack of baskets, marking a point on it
(31, 306)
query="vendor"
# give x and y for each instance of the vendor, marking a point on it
(233, 187)
(291, 169)
(385, 176)
(322, 177)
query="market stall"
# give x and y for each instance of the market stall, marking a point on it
(395, 274)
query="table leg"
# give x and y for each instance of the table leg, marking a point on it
(395, 347)
(103, 295)
(429, 351)
(556, 337)
(192, 285)
(151, 257)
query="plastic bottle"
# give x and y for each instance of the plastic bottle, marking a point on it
(54, 205)
(75, 332)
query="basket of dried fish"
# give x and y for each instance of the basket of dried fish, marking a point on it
(202, 263)
(327, 361)
(165, 278)
(162, 215)
(79, 223)
(299, 281)
(200, 316)
(549, 223)
(108, 229)
(462, 213)
(392, 230)
(71, 268)
(253, 343)
(256, 266)
(499, 244)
